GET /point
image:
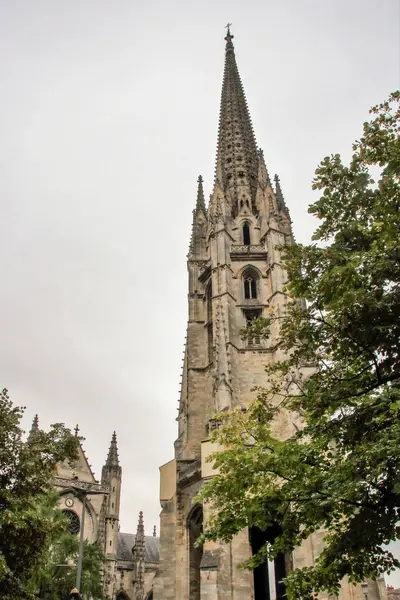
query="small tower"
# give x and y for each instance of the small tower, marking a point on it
(111, 478)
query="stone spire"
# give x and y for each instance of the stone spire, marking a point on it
(34, 428)
(200, 204)
(199, 220)
(237, 160)
(112, 458)
(138, 559)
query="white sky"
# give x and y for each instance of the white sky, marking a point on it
(108, 113)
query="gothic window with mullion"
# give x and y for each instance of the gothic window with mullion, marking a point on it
(250, 284)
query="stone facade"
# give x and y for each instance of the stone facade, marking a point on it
(234, 275)
(127, 554)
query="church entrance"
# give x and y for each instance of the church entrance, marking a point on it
(195, 528)
(268, 584)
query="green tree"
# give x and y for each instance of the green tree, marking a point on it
(55, 579)
(29, 521)
(339, 472)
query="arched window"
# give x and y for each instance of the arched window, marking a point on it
(74, 524)
(246, 233)
(250, 284)
(195, 528)
(268, 577)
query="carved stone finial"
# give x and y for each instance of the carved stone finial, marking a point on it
(154, 531)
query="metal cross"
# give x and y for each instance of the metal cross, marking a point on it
(228, 33)
(76, 431)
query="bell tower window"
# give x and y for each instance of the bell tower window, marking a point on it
(246, 234)
(250, 284)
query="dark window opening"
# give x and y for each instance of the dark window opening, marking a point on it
(268, 583)
(246, 231)
(209, 301)
(210, 342)
(195, 526)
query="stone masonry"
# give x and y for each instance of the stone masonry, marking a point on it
(234, 275)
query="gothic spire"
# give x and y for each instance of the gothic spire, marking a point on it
(138, 558)
(200, 207)
(112, 458)
(200, 204)
(237, 161)
(34, 428)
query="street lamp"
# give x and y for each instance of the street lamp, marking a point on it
(364, 587)
(82, 493)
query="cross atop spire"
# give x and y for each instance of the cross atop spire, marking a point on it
(228, 36)
(237, 159)
(112, 458)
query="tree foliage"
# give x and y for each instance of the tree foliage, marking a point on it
(56, 578)
(29, 521)
(338, 473)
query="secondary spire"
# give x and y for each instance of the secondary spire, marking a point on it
(200, 203)
(34, 428)
(112, 458)
(237, 161)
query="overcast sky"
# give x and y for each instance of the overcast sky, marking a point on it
(108, 113)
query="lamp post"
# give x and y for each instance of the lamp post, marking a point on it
(82, 493)
(364, 587)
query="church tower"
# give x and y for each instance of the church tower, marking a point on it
(234, 275)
